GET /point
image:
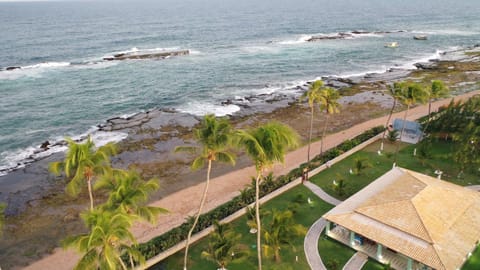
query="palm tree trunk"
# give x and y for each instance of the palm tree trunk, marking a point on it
(388, 121)
(257, 217)
(90, 193)
(310, 137)
(202, 203)
(124, 267)
(429, 117)
(132, 264)
(324, 132)
(401, 133)
(277, 255)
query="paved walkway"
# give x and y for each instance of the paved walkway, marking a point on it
(223, 188)
(310, 244)
(356, 262)
(474, 187)
(321, 194)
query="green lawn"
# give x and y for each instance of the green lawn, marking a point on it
(331, 250)
(441, 159)
(372, 265)
(306, 214)
(473, 263)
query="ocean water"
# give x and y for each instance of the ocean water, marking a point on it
(237, 48)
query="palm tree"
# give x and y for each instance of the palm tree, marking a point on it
(129, 193)
(266, 145)
(361, 163)
(467, 154)
(339, 185)
(108, 240)
(330, 104)
(282, 232)
(83, 162)
(2, 217)
(437, 90)
(313, 95)
(223, 246)
(410, 94)
(215, 137)
(394, 90)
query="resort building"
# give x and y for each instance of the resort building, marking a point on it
(410, 220)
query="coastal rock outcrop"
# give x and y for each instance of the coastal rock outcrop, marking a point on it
(160, 55)
(345, 35)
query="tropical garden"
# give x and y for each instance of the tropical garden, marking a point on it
(268, 236)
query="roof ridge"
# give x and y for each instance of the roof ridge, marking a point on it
(430, 240)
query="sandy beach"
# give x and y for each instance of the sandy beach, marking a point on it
(226, 186)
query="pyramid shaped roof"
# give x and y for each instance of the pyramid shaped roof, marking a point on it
(432, 221)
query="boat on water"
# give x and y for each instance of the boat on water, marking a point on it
(420, 37)
(391, 45)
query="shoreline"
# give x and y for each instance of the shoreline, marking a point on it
(181, 201)
(148, 148)
(269, 101)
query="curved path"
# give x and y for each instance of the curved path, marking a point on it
(310, 244)
(180, 203)
(321, 194)
(356, 262)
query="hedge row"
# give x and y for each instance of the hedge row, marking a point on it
(247, 196)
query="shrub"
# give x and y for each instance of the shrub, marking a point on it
(247, 196)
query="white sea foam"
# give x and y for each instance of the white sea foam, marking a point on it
(366, 35)
(421, 59)
(340, 35)
(381, 69)
(200, 109)
(301, 39)
(18, 158)
(260, 49)
(194, 52)
(95, 65)
(34, 70)
(47, 65)
(447, 32)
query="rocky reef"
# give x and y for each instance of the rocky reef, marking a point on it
(157, 55)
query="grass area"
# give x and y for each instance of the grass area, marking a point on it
(440, 158)
(372, 265)
(331, 250)
(473, 263)
(306, 214)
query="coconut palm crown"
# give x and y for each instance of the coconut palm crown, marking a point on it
(313, 96)
(108, 240)
(83, 162)
(129, 193)
(330, 104)
(215, 137)
(266, 145)
(394, 91)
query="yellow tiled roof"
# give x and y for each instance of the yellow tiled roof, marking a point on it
(431, 221)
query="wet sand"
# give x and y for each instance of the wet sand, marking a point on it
(225, 187)
(43, 214)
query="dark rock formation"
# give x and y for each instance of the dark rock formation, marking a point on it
(45, 145)
(12, 68)
(160, 55)
(425, 65)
